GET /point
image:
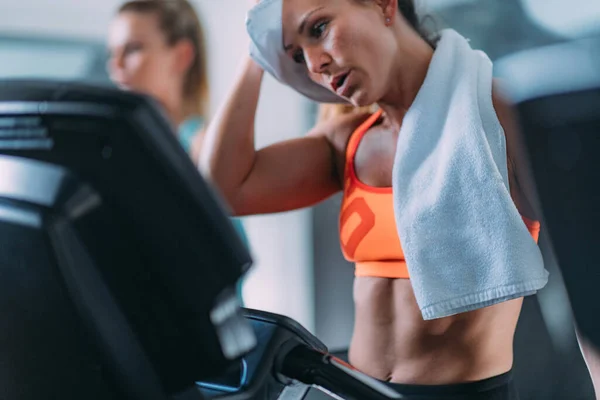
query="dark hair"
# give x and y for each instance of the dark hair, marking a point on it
(179, 21)
(408, 10)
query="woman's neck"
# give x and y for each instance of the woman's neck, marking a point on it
(175, 112)
(174, 105)
(407, 76)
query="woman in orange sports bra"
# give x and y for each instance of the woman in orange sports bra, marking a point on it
(368, 233)
(464, 356)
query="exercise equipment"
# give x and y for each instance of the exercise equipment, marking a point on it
(556, 90)
(119, 265)
(287, 362)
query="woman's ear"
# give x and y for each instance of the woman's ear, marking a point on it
(184, 55)
(389, 8)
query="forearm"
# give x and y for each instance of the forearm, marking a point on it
(228, 152)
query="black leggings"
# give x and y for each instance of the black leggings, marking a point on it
(501, 387)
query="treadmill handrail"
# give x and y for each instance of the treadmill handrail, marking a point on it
(324, 371)
(287, 323)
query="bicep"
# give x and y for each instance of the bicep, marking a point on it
(288, 175)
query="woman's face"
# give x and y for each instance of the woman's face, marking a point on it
(347, 45)
(140, 58)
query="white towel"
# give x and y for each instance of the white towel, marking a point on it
(466, 246)
(265, 29)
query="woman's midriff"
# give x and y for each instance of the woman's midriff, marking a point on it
(392, 342)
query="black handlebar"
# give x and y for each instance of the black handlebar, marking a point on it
(313, 367)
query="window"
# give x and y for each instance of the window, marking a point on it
(36, 58)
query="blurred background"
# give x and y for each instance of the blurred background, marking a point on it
(299, 269)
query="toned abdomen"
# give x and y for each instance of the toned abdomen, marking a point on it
(391, 340)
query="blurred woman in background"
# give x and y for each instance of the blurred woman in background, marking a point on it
(157, 48)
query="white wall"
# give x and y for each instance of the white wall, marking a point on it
(282, 277)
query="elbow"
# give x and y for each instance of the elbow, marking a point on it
(236, 210)
(211, 169)
(232, 196)
(226, 192)
(231, 199)
(225, 177)
(211, 176)
(235, 200)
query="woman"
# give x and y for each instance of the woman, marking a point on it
(466, 356)
(157, 48)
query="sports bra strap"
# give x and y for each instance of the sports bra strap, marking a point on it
(358, 133)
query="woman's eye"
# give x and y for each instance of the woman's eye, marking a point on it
(298, 56)
(317, 30)
(132, 48)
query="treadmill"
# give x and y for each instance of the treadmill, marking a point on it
(556, 90)
(119, 265)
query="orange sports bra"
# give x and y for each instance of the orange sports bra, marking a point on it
(368, 234)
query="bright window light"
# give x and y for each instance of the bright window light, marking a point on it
(574, 18)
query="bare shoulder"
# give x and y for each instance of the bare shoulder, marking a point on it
(337, 130)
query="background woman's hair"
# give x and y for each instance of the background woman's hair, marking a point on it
(178, 20)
